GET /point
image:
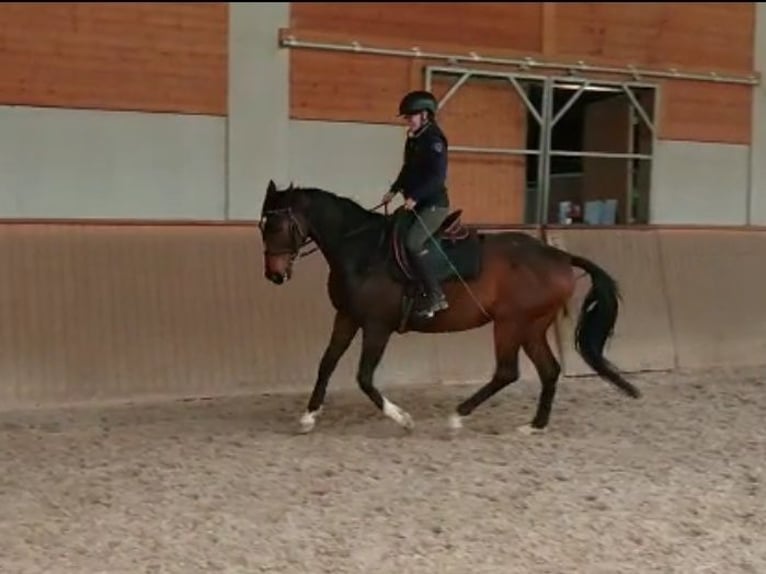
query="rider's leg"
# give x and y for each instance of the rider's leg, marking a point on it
(426, 222)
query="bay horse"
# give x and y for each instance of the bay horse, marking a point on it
(511, 279)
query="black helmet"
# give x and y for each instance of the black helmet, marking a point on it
(418, 101)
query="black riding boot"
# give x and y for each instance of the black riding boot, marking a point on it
(435, 299)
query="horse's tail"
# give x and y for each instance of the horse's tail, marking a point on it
(595, 324)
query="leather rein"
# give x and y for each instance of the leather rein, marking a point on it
(298, 238)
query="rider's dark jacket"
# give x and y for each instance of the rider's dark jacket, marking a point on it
(424, 172)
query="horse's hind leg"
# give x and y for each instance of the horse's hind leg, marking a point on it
(343, 331)
(374, 342)
(507, 341)
(548, 370)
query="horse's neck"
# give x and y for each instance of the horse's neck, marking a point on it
(337, 227)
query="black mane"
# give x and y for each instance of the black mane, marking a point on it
(344, 223)
(350, 209)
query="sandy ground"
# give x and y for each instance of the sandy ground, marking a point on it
(673, 483)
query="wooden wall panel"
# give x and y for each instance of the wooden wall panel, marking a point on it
(339, 87)
(485, 113)
(712, 36)
(345, 87)
(482, 112)
(488, 188)
(130, 56)
(504, 25)
(705, 112)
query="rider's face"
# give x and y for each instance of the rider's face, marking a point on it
(415, 121)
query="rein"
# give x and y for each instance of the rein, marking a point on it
(307, 240)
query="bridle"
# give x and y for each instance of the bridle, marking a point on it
(299, 239)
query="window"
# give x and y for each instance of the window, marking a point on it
(583, 146)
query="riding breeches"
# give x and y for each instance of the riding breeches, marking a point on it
(424, 226)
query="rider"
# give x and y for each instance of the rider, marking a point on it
(422, 182)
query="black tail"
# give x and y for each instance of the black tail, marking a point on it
(595, 324)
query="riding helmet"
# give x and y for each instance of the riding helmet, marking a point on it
(418, 101)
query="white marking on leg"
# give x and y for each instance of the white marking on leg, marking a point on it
(394, 412)
(308, 420)
(530, 430)
(455, 422)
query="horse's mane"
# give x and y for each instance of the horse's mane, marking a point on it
(349, 207)
(362, 227)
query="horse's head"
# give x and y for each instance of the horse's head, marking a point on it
(284, 229)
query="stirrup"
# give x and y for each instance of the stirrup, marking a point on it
(433, 306)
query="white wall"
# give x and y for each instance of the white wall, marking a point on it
(259, 99)
(82, 163)
(354, 160)
(699, 183)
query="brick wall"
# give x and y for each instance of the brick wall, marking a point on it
(147, 57)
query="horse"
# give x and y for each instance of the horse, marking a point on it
(511, 279)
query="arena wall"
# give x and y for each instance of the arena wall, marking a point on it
(101, 312)
(695, 121)
(165, 113)
(213, 87)
(104, 312)
(113, 111)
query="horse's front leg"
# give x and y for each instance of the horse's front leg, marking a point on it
(374, 342)
(343, 331)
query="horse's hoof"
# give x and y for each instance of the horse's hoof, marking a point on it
(308, 422)
(455, 422)
(398, 415)
(408, 423)
(530, 430)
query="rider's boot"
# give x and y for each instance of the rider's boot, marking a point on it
(435, 300)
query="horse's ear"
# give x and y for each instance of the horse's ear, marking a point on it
(271, 189)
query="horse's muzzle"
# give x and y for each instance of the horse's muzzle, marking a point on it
(278, 268)
(278, 278)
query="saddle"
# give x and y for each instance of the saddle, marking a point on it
(458, 243)
(453, 250)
